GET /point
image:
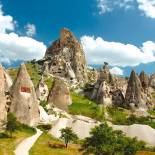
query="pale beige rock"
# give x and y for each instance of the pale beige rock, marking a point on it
(42, 90)
(3, 111)
(24, 101)
(59, 95)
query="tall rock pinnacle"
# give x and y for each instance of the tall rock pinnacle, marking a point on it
(66, 58)
(134, 90)
(3, 111)
(24, 101)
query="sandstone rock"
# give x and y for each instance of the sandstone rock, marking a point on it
(3, 110)
(118, 97)
(8, 81)
(144, 80)
(59, 95)
(67, 51)
(134, 90)
(42, 90)
(105, 74)
(103, 94)
(152, 81)
(24, 101)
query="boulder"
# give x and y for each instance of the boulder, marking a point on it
(59, 95)
(24, 100)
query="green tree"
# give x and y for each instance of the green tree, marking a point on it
(11, 124)
(105, 141)
(68, 135)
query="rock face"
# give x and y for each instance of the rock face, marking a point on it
(105, 74)
(59, 95)
(118, 97)
(134, 90)
(103, 94)
(144, 80)
(3, 110)
(42, 90)
(152, 81)
(66, 58)
(24, 101)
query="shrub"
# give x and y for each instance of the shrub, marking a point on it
(44, 127)
(105, 141)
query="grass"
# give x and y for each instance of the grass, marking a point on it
(117, 115)
(41, 147)
(83, 106)
(145, 153)
(7, 145)
(33, 70)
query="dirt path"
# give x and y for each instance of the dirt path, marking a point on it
(24, 147)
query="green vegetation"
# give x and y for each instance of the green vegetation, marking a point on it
(68, 136)
(83, 106)
(8, 144)
(44, 127)
(11, 124)
(47, 145)
(117, 115)
(104, 140)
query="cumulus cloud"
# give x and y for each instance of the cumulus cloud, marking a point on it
(6, 22)
(116, 71)
(14, 47)
(30, 29)
(147, 7)
(117, 54)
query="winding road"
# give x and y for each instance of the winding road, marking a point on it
(24, 147)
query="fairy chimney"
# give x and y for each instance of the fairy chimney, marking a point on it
(3, 110)
(24, 101)
(59, 95)
(42, 90)
(134, 90)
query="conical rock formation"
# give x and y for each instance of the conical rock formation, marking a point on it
(134, 90)
(24, 101)
(59, 95)
(42, 90)
(144, 80)
(3, 110)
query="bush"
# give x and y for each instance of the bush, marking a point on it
(105, 141)
(11, 124)
(44, 127)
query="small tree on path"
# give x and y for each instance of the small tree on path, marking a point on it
(68, 135)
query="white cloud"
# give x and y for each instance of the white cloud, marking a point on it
(117, 54)
(6, 22)
(109, 5)
(14, 47)
(30, 29)
(116, 71)
(147, 7)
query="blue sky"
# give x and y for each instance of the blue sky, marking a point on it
(104, 27)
